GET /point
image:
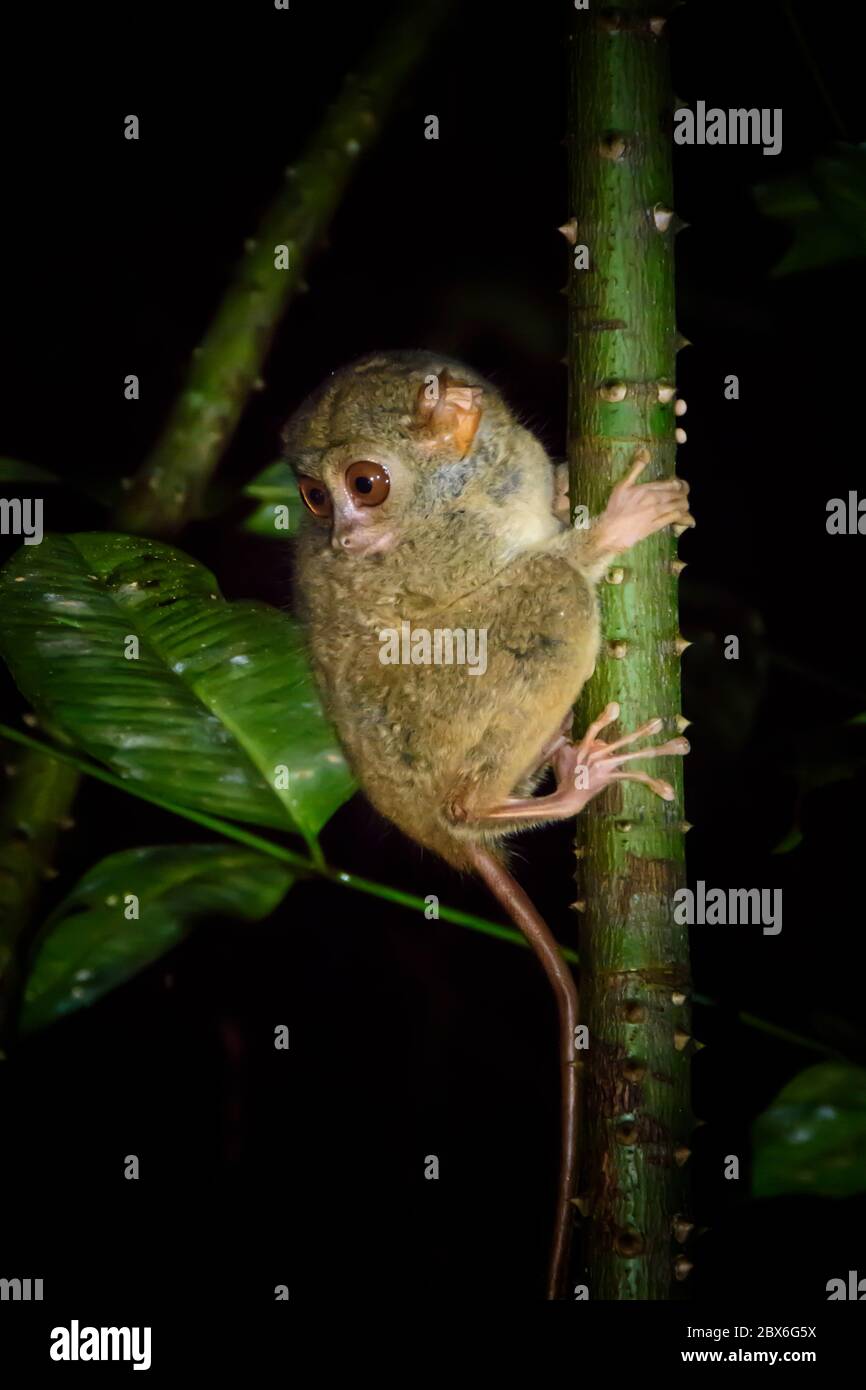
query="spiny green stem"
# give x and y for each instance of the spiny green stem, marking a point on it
(622, 364)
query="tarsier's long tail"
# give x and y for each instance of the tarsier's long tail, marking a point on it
(541, 939)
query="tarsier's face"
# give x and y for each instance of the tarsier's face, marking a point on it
(356, 493)
(377, 453)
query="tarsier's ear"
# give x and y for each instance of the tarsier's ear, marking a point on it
(449, 412)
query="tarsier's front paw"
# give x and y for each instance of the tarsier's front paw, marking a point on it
(586, 768)
(635, 512)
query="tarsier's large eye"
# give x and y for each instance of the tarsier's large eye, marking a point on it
(315, 496)
(368, 483)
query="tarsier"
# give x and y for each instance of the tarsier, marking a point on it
(430, 504)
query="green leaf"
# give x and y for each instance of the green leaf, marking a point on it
(219, 698)
(275, 521)
(825, 208)
(276, 486)
(88, 947)
(812, 1138)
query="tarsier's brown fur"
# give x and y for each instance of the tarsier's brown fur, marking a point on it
(467, 538)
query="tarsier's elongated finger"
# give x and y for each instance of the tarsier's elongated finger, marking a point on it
(675, 486)
(674, 745)
(677, 517)
(609, 715)
(662, 789)
(641, 459)
(652, 726)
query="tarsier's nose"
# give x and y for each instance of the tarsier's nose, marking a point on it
(356, 541)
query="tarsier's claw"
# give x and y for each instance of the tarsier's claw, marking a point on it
(660, 788)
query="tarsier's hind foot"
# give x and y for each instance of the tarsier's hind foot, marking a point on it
(586, 768)
(582, 770)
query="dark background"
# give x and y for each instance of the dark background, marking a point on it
(411, 1037)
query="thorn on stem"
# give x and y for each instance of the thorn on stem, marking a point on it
(630, 1244)
(682, 1228)
(613, 146)
(662, 217)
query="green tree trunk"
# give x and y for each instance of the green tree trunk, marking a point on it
(634, 957)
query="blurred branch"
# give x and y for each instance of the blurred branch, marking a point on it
(38, 793)
(227, 364)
